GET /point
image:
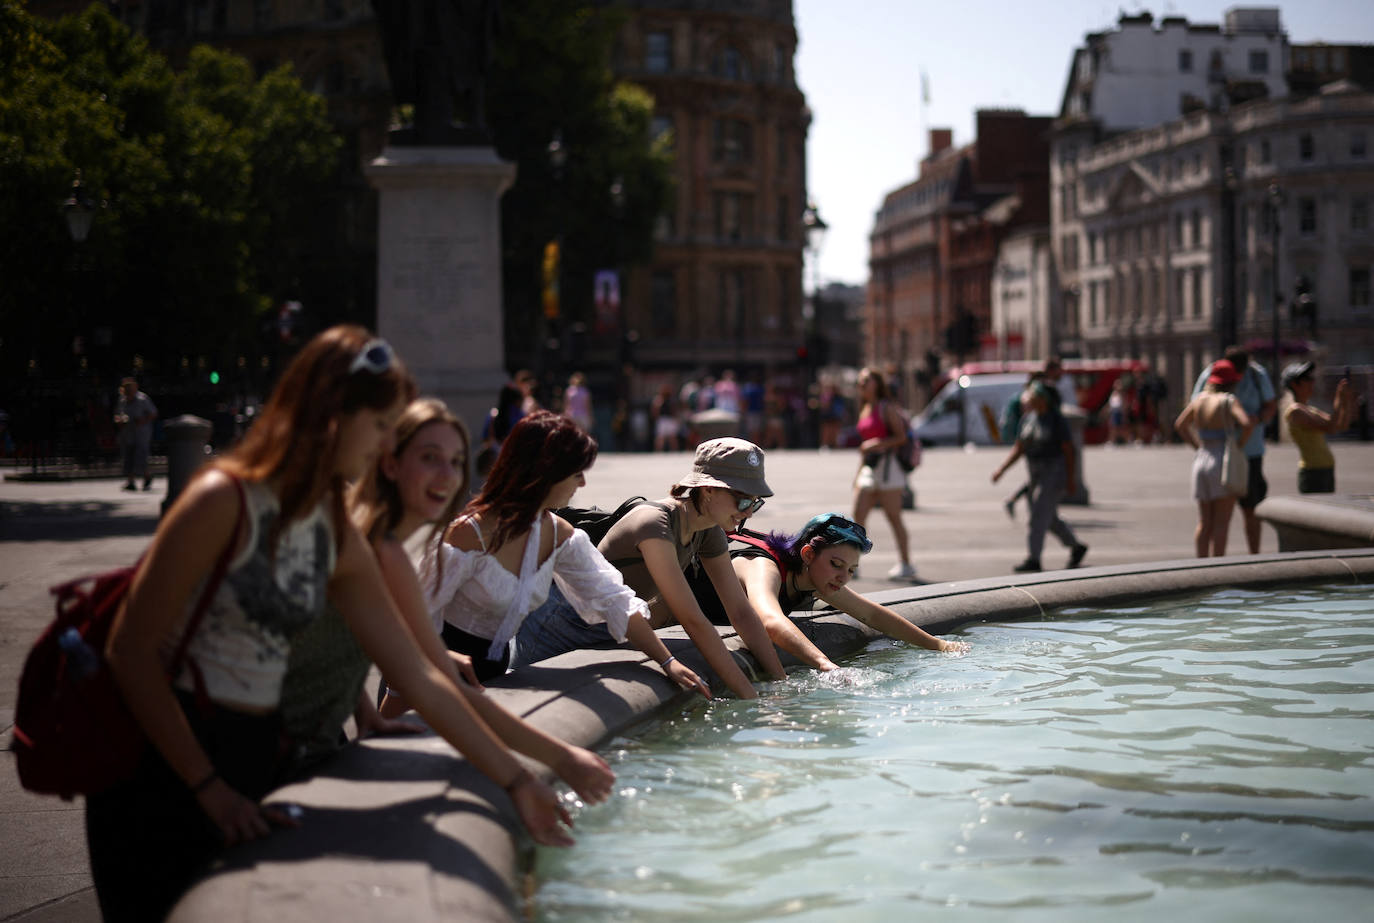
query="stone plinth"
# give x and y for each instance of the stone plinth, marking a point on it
(1312, 522)
(439, 270)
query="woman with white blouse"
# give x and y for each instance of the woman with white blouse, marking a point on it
(500, 556)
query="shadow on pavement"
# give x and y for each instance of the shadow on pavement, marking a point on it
(46, 521)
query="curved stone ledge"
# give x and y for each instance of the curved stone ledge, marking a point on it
(1314, 521)
(400, 829)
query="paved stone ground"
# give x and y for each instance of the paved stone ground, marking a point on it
(1139, 512)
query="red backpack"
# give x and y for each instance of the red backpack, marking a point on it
(73, 734)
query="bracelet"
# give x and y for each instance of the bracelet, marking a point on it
(671, 658)
(520, 779)
(204, 783)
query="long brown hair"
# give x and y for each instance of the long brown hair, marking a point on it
(376, 499)
(296, 437)
(881, 392)
(541, 450)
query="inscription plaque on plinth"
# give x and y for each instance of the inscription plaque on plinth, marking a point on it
(439, 270)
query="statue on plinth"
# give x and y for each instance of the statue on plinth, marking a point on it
(438, 53)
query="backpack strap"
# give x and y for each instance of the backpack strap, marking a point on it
(758, 540)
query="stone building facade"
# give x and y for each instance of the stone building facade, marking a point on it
(1164, 237)
(725, 287)
(934, 244)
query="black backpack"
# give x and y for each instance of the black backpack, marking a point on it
(597, 522)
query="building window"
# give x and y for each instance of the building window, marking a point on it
(1259, 62)
(1185, 61)
(731, 319)
(1359, 286)
(785, 219)
(1092, 304)
(734, 141)
(1196, 228)
(663, 293)
(779, 64)
(734, 215)
(1178, 230)
(1357, 148)
(1307, 216)
(1264, 154)
(782, 149)
(1178, 292)
(1359, 214)
(262, 14)
(730, 64)
(658, 52)
(1196, 306)
(1307, 148)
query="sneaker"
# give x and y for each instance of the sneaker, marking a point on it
(1010, 507)
(902, 572)
(1076, 554)
(129, 486)
(1028, 566)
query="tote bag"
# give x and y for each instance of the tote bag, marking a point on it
(1235, 467)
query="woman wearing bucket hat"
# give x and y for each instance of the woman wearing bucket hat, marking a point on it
(655, 543)
(1308, 426)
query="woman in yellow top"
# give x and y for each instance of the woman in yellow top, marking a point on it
(1309, 426)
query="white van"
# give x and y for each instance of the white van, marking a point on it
(969, 409)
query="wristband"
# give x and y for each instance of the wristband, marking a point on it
(204, 783)
(671, 658)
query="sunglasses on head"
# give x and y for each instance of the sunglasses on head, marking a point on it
(745, 503)
(835, 529)
(375, 357)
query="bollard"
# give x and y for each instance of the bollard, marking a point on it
(1077, 421)
(186, 436)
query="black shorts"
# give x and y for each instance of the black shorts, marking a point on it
(1316, 480)
(1258, 488)
(476, 647)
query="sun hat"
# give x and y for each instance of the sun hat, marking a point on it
(1223, 373)
(1297, 371)
(736, 464)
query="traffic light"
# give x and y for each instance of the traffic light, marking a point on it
(551, 258)
(214, 378)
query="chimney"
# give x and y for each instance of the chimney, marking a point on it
(940, 139)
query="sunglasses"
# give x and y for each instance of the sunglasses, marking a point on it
(835, 529)
(745, 503)
(375, 357)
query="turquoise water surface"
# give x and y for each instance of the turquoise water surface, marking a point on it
(1210, 758)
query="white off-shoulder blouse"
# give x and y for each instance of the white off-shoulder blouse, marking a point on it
(476, 594)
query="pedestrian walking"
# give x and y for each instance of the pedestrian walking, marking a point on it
(880, 479)
(1047, 445)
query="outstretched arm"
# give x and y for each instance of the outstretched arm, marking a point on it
(661, 560)
(359, 593)
(881, 618)
(586, 772)
(743, 618)
(761, 582)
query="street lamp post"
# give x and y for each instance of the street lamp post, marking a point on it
(815, 228)
(552, 298)
(1275, 206)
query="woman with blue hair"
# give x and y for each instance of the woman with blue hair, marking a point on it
(781, 573)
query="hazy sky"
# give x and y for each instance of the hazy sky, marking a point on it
(860, 66)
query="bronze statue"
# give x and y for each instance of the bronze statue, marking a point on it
(437, 56)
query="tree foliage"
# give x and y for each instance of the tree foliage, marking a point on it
(551, 73)
(212, 187)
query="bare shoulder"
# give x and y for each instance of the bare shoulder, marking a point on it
(562, 529)
(462, 534)
(391, 554)
(210, 501)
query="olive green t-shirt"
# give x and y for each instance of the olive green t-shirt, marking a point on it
(656, 519)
